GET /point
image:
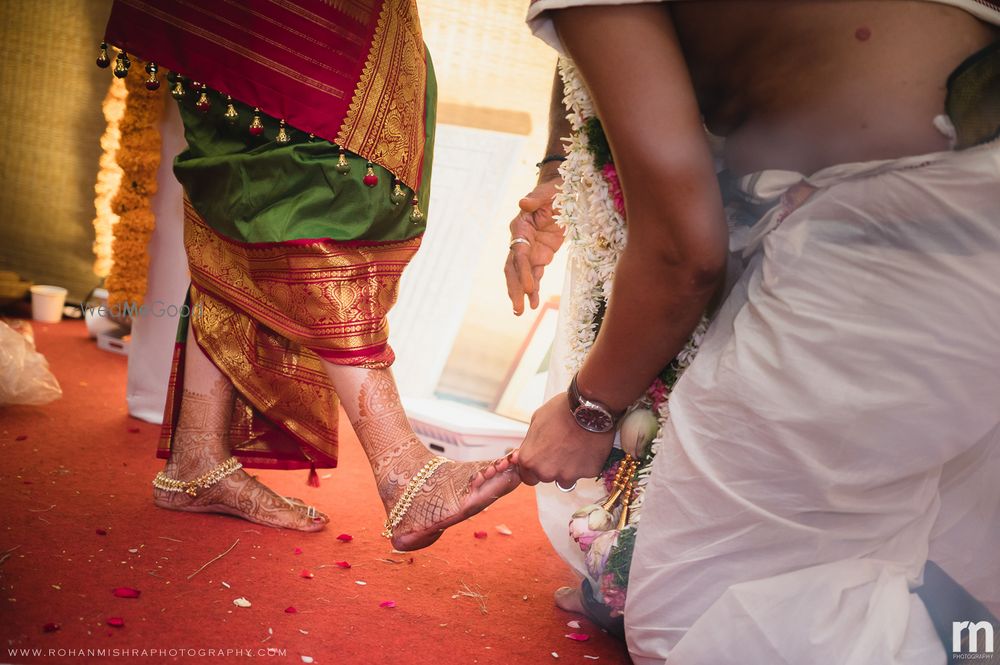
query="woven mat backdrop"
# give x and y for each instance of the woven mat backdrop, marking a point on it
(50, 96)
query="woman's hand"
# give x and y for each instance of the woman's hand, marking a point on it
(556, 449)
(526, 262)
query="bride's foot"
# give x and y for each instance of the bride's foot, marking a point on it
(241, 495)
(454, 492)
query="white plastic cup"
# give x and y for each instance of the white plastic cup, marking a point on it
(47, 303)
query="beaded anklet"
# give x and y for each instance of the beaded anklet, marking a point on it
(204, 481)
(398, 511)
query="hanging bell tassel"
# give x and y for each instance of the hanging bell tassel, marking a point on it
(398, 195)
(343, 166)
(121, 65)
(415, 215)
(313, 480)
(152, 83)
(231, 116)
(256, 125)
(204, 103)
(177, 92)
(282, 136)
(370, 178)
(103, 59)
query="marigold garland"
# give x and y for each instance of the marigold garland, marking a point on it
(138, 156)
(109, 177)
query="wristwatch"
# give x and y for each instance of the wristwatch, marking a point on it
(591, 415)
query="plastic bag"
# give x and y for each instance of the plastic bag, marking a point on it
(24, 373)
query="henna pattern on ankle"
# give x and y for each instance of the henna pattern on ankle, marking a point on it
(200, 438)
(201, 441)
(396, 455)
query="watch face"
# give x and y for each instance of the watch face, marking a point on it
(594, 420)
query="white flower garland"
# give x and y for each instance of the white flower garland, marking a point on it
(595, 230)
(597, 236)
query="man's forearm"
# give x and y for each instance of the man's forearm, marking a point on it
(558, 130)
(650, 316)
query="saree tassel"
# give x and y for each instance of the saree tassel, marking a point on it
(256, 124)
(370, 178)
(231, 115)
(203, 103)
(313, 480)
(152, 83)
(415, 215)
(103, 59)
(398, 195)
(177, 92)
(122, 64)
(343, 166)
(282, 136)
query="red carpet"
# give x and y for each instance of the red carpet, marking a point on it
(78, 522)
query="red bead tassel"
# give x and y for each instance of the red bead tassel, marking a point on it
(313, 480)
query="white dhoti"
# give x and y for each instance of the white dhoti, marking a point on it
(840, 426)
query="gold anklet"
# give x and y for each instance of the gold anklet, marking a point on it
(398, 511)
(204, 481)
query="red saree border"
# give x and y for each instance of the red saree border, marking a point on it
(370, 97)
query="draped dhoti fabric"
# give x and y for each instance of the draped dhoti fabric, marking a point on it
(839, 427)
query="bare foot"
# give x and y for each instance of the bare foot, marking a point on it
(455, 492)
(242, 495)
(570, 599)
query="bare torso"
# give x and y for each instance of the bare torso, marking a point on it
(804, 85)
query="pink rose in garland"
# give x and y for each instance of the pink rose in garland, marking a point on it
(614, 187)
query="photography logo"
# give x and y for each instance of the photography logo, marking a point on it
(972, 641)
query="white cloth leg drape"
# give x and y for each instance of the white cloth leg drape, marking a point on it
(153, 335)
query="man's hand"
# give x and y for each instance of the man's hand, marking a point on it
(556, 449)
(526, 262)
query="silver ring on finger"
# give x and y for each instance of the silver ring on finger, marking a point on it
(518, 240)
(310, 511)
(566, 489)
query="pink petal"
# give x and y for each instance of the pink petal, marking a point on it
(101, 532)
(290, 610)
(387, 603)
(126, 592)
(117, 622)
(298, 550)
(578, 637)
(51, 627)
(345, 537)
(24, 437)
(133, 430)
(480, 534)
(306, 574)
(343, 564)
